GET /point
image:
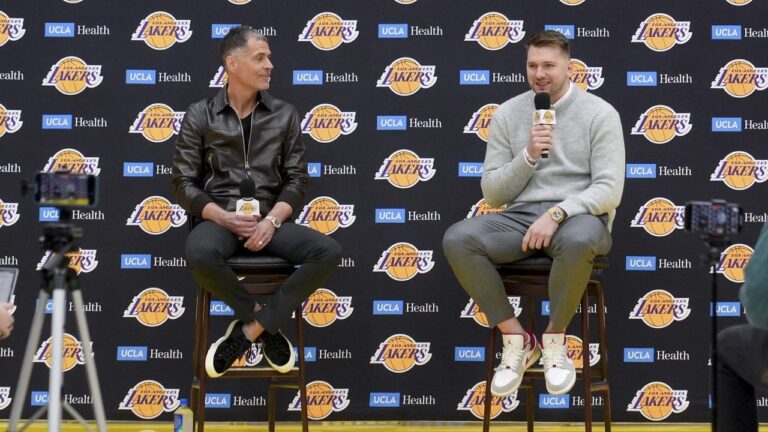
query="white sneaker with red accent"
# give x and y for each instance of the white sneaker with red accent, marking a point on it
(559, 372)
(517, 356)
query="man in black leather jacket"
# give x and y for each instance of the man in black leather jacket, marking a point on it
(245, 133)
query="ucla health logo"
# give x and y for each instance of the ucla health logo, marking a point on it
(153, 307)
(402, 261)
(156, 215)
(405, 76)
(160, 30)
(72, 352)
(483, 208)
(327, 31)
(322, 400)
(81, 261)
(325, 122)
(473, 311)
(493, 31)
(157, 122)
(660, 123)
(659, 308)
(400, 353)
(148, 399)
(480, 122)
(404, 168)
(324, 214)
(71, 160)
(740, 78)
(474, 402)
(71, 75)
(657, 400)
(576, 351)
(219, 78)
(5, 397)
(585, 77)
(659, 217)
(660, 32)
(739, 170)
(733, 261)
(10, 120)
(11, 29)
(324, 307)
(9, 213)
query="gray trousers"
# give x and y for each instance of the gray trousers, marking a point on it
(473, 247)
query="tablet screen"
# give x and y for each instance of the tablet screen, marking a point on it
(7, 283)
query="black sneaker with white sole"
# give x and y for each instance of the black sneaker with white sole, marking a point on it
(278, 351)
(226, 350)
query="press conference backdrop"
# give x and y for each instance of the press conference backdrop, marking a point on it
(396, 99)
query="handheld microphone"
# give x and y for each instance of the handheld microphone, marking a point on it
(247, 205)
(543, 114)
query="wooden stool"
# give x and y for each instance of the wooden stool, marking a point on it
(262, 275)
(529, 278)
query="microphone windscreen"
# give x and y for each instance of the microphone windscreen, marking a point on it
(247, 188)
(541, 101)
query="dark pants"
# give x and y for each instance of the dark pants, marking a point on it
(742, 367)
(209, 245)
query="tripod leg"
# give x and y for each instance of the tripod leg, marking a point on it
(56, 375)
(26, 365)
(90, 363)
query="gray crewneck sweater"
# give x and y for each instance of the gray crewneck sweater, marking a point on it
(585, 169)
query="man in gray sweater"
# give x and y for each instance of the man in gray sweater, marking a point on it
(562, 205)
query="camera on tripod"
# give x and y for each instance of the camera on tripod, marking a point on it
(714, 219)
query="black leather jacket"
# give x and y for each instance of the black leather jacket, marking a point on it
(210, 158)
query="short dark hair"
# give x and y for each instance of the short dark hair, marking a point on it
(238, 38)
(549, 38)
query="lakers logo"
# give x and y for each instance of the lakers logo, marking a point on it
(474, 402)
(493, 31)
(156, 215)
(5, 397)
(576, 351)
(81, 261)
(659, 308)
(324, 307)
(572, 2)
(322, 400)
(73, 161)
(148, 399)
(72, 352)
(405, 2)
(219, 79)
(480, 123)
(739, 170)
(160, 30)
(660, 123)
(585, 77)
(402, 261)
(11, 29)
(739, 2)
(71, 75)
(472, 310)
(660, 32)
(327, 31)
(733, 261)
(239, 2)
(400, 353)
(657, 401)
(251, 357)
(404, 168)
(325, 123)
(324, 214)
(405, 76)
(659, 217)
(10, 120)
(483, 208)
(740, 78)
(157, 122)
(153, 307)
(72, 1)
(9, 213)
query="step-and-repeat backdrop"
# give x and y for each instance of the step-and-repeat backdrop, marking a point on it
(382, 86)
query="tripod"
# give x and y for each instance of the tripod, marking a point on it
(716, 247)
(58, 279)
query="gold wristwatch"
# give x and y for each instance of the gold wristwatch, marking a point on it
(557, 214)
